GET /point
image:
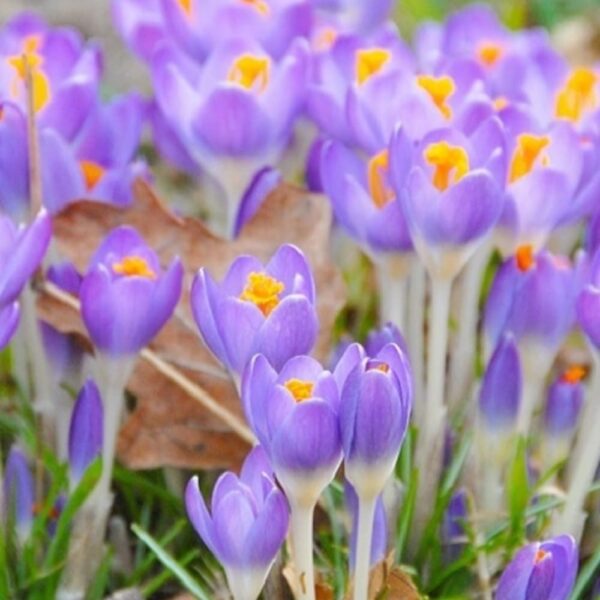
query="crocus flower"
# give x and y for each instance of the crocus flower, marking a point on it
(247, 524)
(500, 392)
(19, 496)
(565, 399)
(125, 297)
(21, 251)
(541, 570)
(86, 430)
(375, 408)
(65, 72)
(258, 309)
(354, 17)
(452, 195)
(454, 526)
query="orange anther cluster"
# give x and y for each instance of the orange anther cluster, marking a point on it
(92, 173)
(369, 62)
(574, 374)
(134, 266)
(264, 291)
(251, 72)
(524, 257)
(451, 163)
(528, 151)
(578, 95)
(381, 192)
(489, 53)
(439, 89)
(300, 389)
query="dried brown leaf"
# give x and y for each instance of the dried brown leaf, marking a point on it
(168, 426)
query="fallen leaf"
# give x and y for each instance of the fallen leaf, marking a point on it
(168, 427)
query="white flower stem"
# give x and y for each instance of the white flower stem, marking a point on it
(532, 392)
(430, 443)
(391, 276)
(366, 517)
(302, 545)
(415, 332)
(465, 342)
(246, 584)
(572, 518)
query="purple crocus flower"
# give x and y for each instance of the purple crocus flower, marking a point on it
(10, 316)
(86, 430)
(125, 297)
(588, 303)
(21, 251)
(293, 413)
(541, 571)
(19, 495)
(363, 200)
(352, 16)
(564, 402)
(500, 392)
(258, 309)
(65, 72)
(376, 401)
(247, 524)
(452, 195)
(377, 339)
(379, 540)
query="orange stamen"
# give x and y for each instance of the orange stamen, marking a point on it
(381, 192)
(451, 163)
(489, 53)
(540, 555)
(134, 266)
(578, 95)
(259, 5)
(300, 389)
(525, 257)
(529, 149)
(440, 89)
(92, 173)
(369, 62)
(263, 291)
(250, 72)
(187, 6)
(573, 374)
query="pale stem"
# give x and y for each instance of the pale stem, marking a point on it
(391, 276)
(366, 517)
(415, 333)
(430, 442)
(302, 545)
(532, 392)
(465, 342)
(246, 584)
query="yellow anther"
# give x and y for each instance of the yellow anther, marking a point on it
(524, 257)
(134, 266)
(30, 59)
(440, 89)
(250, 71)
(528, 151)
(500, 103)
(578, 95)
(187, 6)
(489, 53)
(369, 62)
(451, 163)
(263, 290)
(300, 389)
(377, 169)
(259, 5)
(92, 173)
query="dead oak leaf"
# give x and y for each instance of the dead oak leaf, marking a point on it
(167, 426)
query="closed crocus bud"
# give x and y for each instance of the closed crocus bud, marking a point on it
(378, 338)
(500, 392)
(21, 251)
(18, 491)
(86, 430)
(454, 526)
(247, 524)
(375, 409)
(125, 296)
(541, 571)
(452, 195)
(565, 398)
(258, 309)
(294, 415)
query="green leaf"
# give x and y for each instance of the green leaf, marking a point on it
(587, 575)
(406, 514)
(517, 489)
(171, 563)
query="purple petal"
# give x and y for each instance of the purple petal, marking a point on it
(198, 515)
(9, 321)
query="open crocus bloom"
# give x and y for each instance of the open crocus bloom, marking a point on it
(258, 308)
(541, 570)
(247, 524)
(125, 296)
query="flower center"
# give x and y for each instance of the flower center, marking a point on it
(262, 290)
(299, 388)
(451, 163)
(251, 72)
(92, 173)
(377, 169)
(540, 555)
(186, 6)
(134, 266)
(259, 5)
(573, 374)
(578, 95)
(528, 151)
(369, 62)
(489, 53)
(500, 103)
(439, 90)
(325, 39)
(525, 258)
(32, 60)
